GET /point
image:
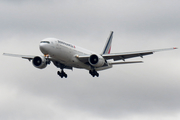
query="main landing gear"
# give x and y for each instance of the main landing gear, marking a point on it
(62, 74)
(94, 73)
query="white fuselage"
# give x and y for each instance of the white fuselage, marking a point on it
(66, 53)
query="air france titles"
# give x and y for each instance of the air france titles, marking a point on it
(65, 44)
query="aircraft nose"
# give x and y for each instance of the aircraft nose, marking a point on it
(43, 48)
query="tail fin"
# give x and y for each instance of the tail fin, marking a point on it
(107, 48)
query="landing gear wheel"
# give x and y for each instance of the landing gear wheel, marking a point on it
(58, 73)
(94, 73)
(97, 74)
(65, 75)
(62, 74)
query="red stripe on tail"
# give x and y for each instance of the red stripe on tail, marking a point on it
(109, 50)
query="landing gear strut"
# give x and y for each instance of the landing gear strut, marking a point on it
(94, 73)
(62, 74)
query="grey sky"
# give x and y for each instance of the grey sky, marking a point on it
(148, 91)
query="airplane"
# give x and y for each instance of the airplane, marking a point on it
(65, 55)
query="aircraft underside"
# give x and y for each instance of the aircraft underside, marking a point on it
(62, 74)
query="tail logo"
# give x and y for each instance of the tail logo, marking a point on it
(107, 48)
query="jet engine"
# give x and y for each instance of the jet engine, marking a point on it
(96, 60)
(39, 62)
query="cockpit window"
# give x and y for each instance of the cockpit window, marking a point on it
(45, 42)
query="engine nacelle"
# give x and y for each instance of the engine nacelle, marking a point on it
(96, 60)
(39, 62)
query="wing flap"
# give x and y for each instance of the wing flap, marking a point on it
(113, 63)
(126, 56)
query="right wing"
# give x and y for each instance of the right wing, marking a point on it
(29, 57)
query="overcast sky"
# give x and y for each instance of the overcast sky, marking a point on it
(148, 91)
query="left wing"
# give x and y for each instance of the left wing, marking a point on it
(29, 57)
(123, 56)
(126, 55)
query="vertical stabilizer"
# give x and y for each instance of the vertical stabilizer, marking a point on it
(107, 48)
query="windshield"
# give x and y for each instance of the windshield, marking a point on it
(45, 42)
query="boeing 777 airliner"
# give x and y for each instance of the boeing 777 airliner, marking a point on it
(66, 56)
